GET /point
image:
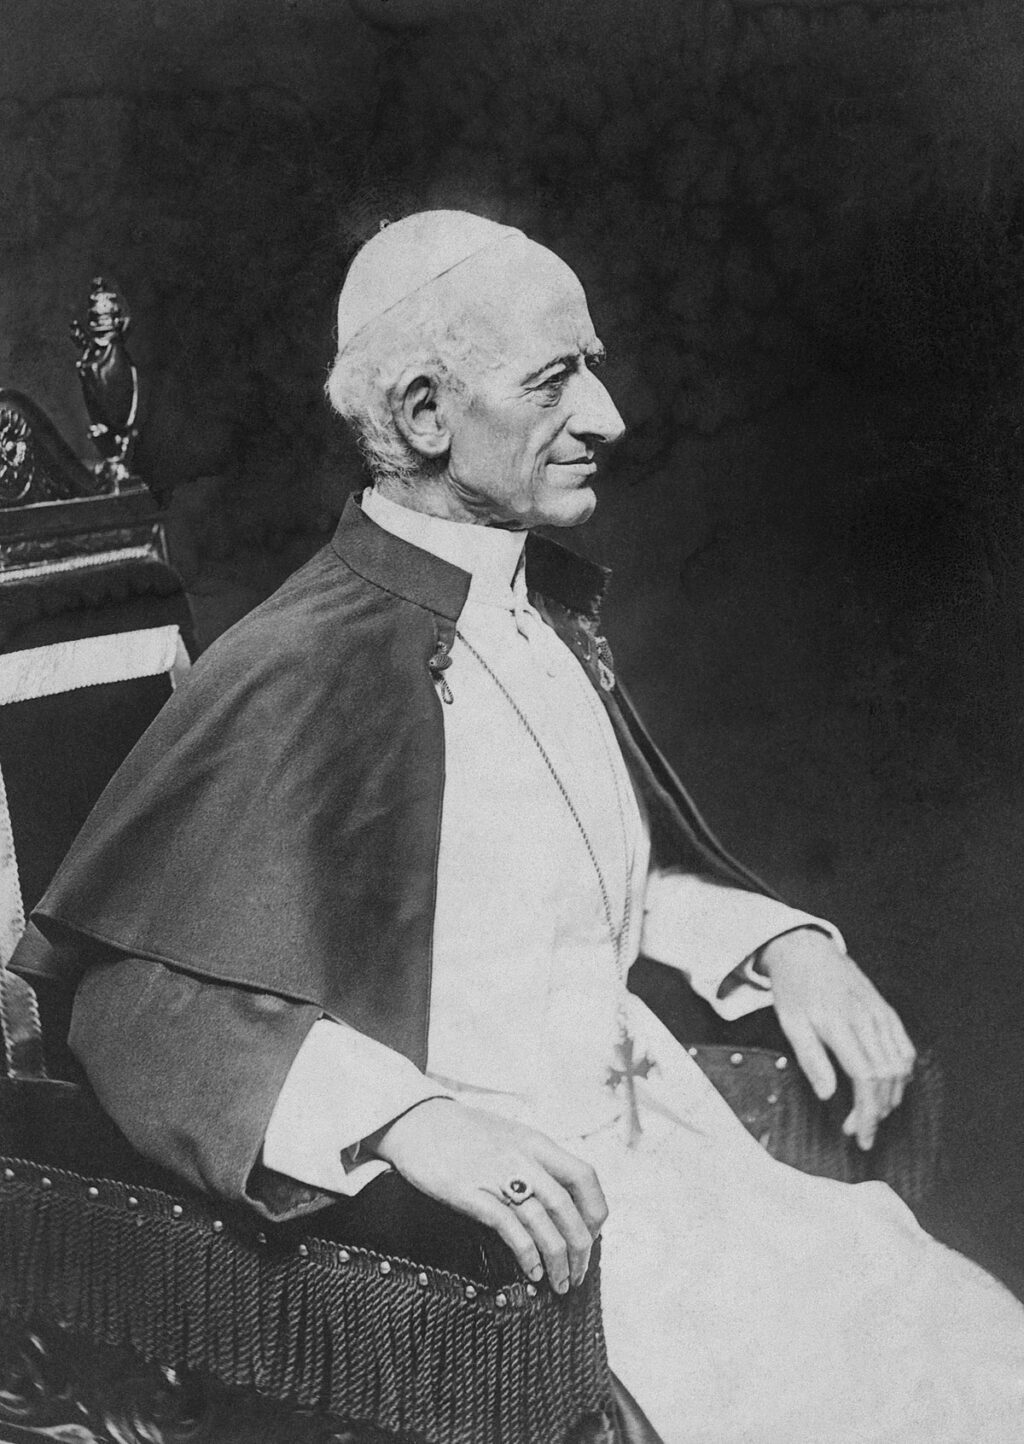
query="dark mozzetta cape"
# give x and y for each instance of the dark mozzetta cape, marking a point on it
(277, 827)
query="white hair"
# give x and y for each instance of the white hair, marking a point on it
(422, 331)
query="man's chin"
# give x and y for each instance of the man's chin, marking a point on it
(571, 509)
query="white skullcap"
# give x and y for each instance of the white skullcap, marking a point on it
(407, 255)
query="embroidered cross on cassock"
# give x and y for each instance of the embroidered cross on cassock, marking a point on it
(629, 1069)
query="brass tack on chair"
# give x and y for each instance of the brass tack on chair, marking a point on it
(177, 1210)
(422, 1280)
(781, 1062)
(303, 1251)
(47, 1183)
(735, 1059)
(384, 1267)
(773, 1098)
(8, 1175)
(531, 1291)
(218, 1227)
(93, 1192)
(470, 1291)
(344, 1256)
(133, 1202)
(501, 1300)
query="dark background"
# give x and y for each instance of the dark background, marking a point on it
(801, 226)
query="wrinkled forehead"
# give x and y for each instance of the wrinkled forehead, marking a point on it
(515, 303)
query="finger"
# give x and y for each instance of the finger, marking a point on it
(560, 1208)
(898, 1052)
(879, 1065)
(552, 1246)
(870, 1092)
(518, 1240)
(580, 1180)
(896, 1068)
(868, 1111)
(901, 1043)
(810, 1054)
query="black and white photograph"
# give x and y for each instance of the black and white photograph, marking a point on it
(511, 722)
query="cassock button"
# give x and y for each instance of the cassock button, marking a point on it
(735, 1059)
(781, 1062)
(501, 1300)
(177, 1210)
(422, 1280)
(470, 1291)
(218, 1227)
(531, 1292)
(344, 1256)
(384, 1267)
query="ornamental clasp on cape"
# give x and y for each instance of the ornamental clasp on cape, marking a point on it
(438, 665)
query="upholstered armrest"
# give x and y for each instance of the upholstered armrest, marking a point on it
(387, 1308)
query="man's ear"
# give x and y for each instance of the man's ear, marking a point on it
(418, 414)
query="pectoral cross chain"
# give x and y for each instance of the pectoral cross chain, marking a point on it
(628, 1071)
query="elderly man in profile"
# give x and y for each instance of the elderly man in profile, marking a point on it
(368, 894)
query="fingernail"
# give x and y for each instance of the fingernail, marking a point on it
(562, 1286)
(536, 1274)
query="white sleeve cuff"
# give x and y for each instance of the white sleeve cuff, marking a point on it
(712, 933)
(341, 1087)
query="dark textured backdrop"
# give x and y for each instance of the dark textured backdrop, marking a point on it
(801, 227)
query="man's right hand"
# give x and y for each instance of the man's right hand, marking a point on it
(464, 1157)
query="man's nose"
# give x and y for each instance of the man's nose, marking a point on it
(597, 415)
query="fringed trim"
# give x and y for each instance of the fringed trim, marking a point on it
(365, 1338)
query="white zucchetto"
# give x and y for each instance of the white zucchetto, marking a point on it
(407, 255)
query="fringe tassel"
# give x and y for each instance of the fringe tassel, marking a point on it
(364, 1338)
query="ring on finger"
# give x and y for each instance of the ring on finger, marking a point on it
(516, 1191)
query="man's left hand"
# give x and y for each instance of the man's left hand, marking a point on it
(826, 1005)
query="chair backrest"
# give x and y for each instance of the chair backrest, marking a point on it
(91, 613)
(70, 713)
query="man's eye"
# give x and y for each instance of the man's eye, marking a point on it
(552, 385)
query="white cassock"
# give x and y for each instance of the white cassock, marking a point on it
(744, 1302)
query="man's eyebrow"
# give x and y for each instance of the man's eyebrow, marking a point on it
(595, 352)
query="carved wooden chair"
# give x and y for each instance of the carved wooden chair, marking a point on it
(131, 1309)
